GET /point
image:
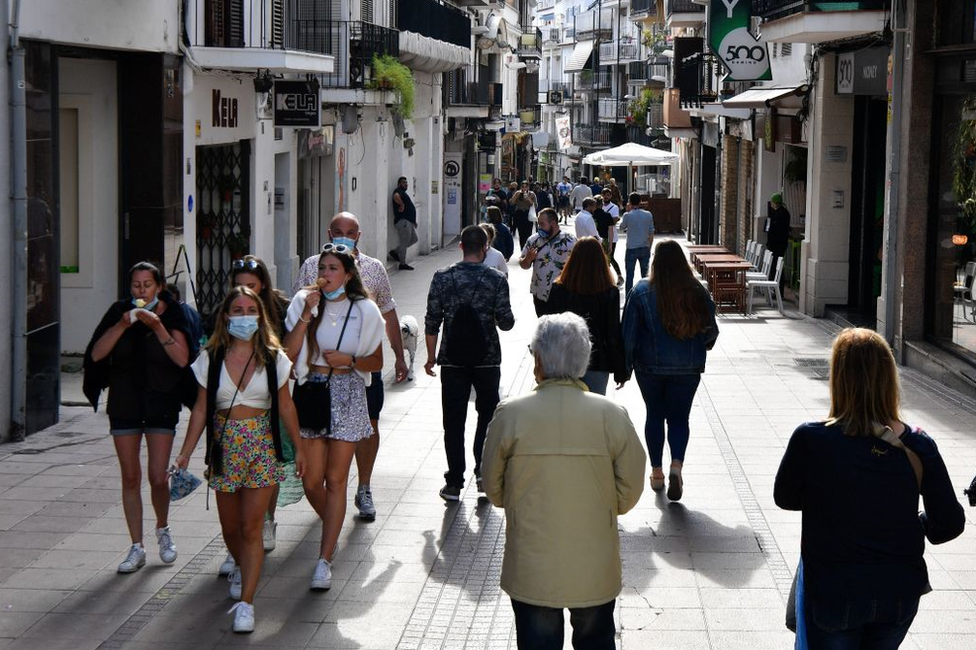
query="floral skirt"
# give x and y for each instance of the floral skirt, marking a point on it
(248, 453)
(350, 415)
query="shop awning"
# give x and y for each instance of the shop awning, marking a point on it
(579, 59)
(765, 97)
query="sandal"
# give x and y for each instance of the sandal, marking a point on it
(675, 486)
(657, 483)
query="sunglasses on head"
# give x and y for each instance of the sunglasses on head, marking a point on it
(250, 265)
(342, 249)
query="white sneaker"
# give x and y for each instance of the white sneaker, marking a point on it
(167, 549)
(135, 560)
(268, 534)
(322, 578)
(235, 583)
(364, 501)
(243, 617)
(228, 565)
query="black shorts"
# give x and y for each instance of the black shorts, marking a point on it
(165, 424)
(563, 202)
(375, 396)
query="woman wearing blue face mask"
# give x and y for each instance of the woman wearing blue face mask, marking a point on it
(335, 338)
(138, 352)
(243, 391)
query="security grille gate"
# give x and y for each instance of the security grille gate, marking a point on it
(223, 218)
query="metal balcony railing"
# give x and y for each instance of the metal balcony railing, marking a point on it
(352, 42)
(612, 109)
(458, 91)
(637, 71)
(552, 35)
(530, 45)
(620, 51)
(643, 8)
(564, 86)
(594, 81)
(434, 20)
(591, 24)
(774, 9)
(236, 23)
(592, 134)
(684, 7)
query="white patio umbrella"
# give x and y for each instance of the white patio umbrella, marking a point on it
(630, 155)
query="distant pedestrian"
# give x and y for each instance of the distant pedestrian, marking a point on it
(585, 287)
(344, 230)
(668, 327)
(615, 194)
(856, 477)
(580, 192)
(638, 223)
(777, 231)
(542, 196)
(546, 253)
(471, 302)
(606, 226)
(563, 188)
(525, 203)
(512, 190)
(596, 187)
(493, 257)
(139, 351)
(585, 225)
(243, 402)
(564, 464)
(405, 222)
(503, 241)
(335, 336)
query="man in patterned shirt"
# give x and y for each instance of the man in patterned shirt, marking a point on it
(546, 252)
(344, 229)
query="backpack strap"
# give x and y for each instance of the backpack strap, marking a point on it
(213, 456)
(271, 373)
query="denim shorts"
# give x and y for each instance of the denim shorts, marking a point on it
(164, 424)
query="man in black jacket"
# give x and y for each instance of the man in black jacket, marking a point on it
(472, 302)
(777, 231)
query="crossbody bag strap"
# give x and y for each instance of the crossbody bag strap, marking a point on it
(894, 440)
(216, 455)
(342, 333)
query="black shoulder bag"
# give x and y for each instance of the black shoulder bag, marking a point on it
(313, 400)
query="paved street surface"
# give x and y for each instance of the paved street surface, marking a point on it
(709, 572)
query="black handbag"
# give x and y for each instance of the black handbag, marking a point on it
(313, 400)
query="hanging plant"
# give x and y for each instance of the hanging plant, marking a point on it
(390, 74)
(637, 109)
(795, 170)
(964, 162)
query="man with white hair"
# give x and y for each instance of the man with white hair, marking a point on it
(560, 460)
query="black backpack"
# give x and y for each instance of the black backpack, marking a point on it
(464, 333)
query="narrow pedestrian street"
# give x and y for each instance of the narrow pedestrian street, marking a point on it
(710, 572)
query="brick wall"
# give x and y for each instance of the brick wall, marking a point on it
(728, 215)
(746, 194)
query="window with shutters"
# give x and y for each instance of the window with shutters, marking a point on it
(367, 6)
(277, 23)
(224, 23)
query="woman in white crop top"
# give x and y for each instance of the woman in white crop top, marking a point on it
(241, 412)
(334, 336)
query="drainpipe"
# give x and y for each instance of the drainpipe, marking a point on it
(894, 172)
(18, 200)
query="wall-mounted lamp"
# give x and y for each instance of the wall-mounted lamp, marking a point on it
(263, 83)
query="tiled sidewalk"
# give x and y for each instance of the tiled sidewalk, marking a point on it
(708, 573)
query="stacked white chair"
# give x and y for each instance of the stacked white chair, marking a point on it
(767, 285)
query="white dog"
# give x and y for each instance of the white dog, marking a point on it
(409, 331)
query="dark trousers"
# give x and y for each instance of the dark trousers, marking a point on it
(611, 249)
(668, 399)
(541, 628)
(522, 224)
(860, 625)
(632, 257)
(456, 384)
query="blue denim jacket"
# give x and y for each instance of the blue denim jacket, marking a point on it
(650, 349)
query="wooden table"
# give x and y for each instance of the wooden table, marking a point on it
(699, 258)
(727, 282)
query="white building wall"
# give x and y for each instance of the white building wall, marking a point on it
(6, 248)
(147, 25)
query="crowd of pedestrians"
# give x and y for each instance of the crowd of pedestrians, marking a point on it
(299, 381)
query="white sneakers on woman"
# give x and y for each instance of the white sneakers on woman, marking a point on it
(243, 617)
(135, 560)
(227, 566)
(167, 549)
(234, 578)
(136, 557)
(322, 577)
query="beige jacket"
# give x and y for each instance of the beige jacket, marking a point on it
(564, 463)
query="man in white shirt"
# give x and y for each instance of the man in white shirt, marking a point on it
(580, 192)
(585, 225)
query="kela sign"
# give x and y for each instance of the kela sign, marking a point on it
(223, 110)
(295, 104)
(729, 37)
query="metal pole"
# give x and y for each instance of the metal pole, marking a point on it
(890, 269)
(18, 200)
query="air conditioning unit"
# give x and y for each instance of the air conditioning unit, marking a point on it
(555, 97)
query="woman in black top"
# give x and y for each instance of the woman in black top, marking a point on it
(856, 477)
(138, 352)
(586, 288)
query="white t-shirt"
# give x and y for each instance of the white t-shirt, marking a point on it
(496, 260)
(614, 211)
(255, 394)
(585, 226)
(327, 335)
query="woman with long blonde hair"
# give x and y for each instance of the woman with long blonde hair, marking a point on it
(857, 477)
(668, 328)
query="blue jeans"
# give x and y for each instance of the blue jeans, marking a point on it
(596, 381)
(541, 628)
(668, 398)
(860, 625)
(631, 258)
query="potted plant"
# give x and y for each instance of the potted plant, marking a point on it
(238, 244)
(637, 109)
(390, 74)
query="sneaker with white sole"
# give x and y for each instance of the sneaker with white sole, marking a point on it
(268, 535)
(450, 493)
(243, 617)
(235, 583)
(135, 560)
(364, 501)
(167, 549)
(227, 566)
(322, 577)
